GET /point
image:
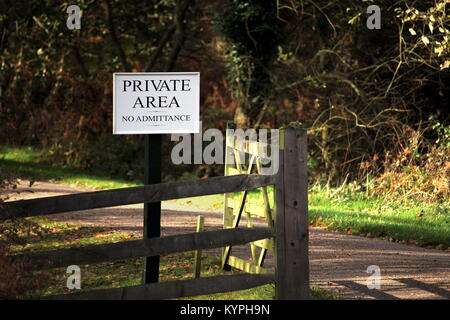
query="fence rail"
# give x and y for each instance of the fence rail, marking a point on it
(132, 195)
(147, 247)
(174, 289)
(286, 235)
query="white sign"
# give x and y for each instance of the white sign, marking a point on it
(146, 103)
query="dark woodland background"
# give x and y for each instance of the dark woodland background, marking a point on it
(375, 102)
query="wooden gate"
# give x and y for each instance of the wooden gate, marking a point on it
(286, 233)
(245, 154)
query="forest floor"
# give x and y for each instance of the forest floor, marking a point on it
(338, 262)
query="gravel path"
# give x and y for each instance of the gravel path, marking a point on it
(338, 262)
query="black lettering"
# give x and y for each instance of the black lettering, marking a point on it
(137, 83)
(126, 83)
(150, 101)
(185, 85)
(163, 101)
(174, 82)
(127, 118)
(138, 100)
(156, 87)
(174, 102)
(164, 85)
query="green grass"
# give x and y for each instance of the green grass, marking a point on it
(342, 210)
(26, 162)
(413, 223)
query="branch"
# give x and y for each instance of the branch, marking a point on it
(162, 43)
(79, 58)
(115, 38)
(180, 13)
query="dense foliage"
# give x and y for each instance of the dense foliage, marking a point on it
(367, 97)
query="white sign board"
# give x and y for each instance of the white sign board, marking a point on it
(146, 103)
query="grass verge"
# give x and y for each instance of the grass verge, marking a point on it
(419, 223)
(25, 162)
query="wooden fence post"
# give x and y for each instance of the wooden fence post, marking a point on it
(292, 263)
(198, 253)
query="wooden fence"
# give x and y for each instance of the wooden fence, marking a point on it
(287, 230)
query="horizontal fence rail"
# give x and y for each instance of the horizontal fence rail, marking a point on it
(132, 195)
(173, 289)
(148, 247)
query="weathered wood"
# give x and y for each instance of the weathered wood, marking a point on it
(255, 210)
(266, 172)
(292, 218)
(123, 196)
(232, 171)
(226, 252)
(236, 145)
(268, 217)
(228, 210)
(173, 289)
(250, 225)
(265, 244)
(249, 267)
(253, 147)
(262, 257)
(279, 254)
(147, 247)
(228, 217)
(268, 211)
(198, 253)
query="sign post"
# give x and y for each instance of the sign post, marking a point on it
(154, 104)
(152, 210)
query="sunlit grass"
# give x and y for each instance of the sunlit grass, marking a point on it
(26, 162)
(414, 223)
(344, 211)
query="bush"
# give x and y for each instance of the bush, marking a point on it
(419, 169)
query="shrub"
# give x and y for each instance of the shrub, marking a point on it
(419, 169)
